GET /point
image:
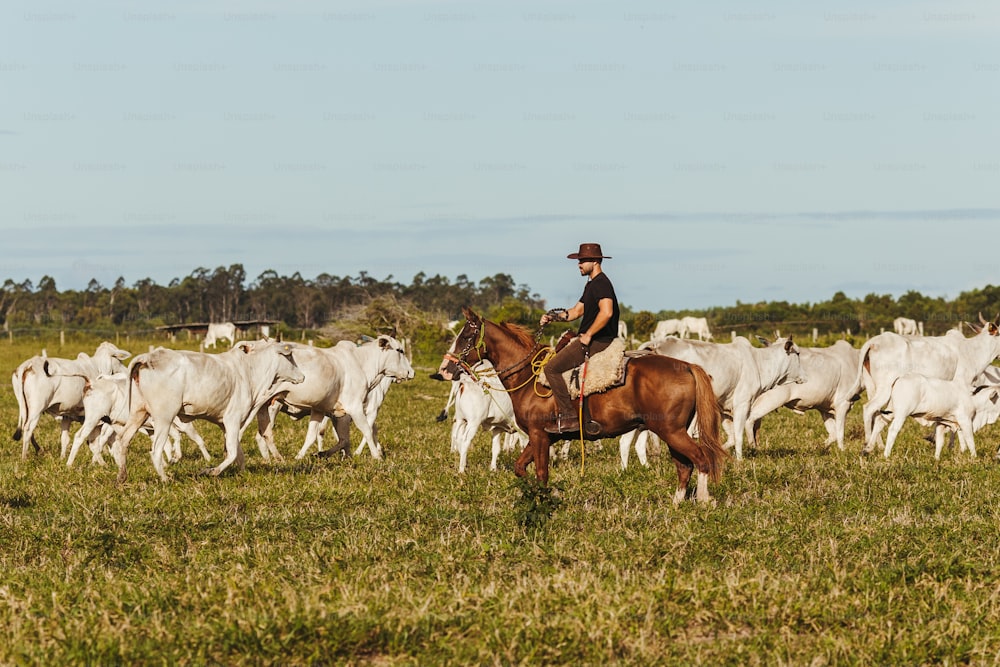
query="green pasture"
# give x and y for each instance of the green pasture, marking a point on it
(812, 556)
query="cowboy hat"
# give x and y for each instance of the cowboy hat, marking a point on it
(589, 251)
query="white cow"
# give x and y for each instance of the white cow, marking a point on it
(221, 331)
(904, 326)
(384, 362)
(226, 389)
(339, 381)
(696, 325)
(106, 405)
(948, 404)
(831, 387)
(952, 356)
(55, 386)
(481, 402)
(740, 373)
(665, 328)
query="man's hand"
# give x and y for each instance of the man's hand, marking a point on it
(554, 315)
(585, 339)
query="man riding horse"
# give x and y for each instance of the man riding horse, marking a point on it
(598, 306)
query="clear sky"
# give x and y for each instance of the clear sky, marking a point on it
(719, 151)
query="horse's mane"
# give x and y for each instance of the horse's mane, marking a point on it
(521, 333)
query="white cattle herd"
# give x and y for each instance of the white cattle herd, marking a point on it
(163, 391)
(947, 382)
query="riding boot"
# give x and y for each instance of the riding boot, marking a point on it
(564, 423)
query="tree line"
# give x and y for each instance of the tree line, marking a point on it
(344, 306)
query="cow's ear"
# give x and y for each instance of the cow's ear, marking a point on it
(245, 346)
(763, 341)
(994, 397)
(383, 343)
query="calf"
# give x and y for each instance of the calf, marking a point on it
(941, 403)
(481, 402)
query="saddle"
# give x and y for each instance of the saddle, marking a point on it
(605, 370)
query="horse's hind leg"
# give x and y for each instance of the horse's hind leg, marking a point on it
(686, 455)
(684, 469)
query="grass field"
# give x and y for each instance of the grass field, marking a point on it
(811, 557)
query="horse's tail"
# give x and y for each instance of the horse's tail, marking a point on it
(709, 416)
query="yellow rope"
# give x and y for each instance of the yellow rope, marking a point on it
(583, 448)
(537, 364)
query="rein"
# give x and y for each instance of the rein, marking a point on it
(537, 357)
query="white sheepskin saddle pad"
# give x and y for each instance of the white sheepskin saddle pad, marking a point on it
(605, 370)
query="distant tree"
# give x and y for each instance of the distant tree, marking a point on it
(643, 324)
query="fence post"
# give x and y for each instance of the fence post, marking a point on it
(62, 338)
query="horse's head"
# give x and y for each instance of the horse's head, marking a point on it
(470, 344)
(465, 350)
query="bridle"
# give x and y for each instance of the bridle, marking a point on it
(536, 357)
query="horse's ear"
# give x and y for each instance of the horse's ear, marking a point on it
(469, 314)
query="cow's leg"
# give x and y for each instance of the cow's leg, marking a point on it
(894, 428)
(625, 446)
(357, 413)
(881, 421)
(173, 453)
(161, 433)
(871, 413)
(28, 433)
(234, 451)
(939, 433)
(966, 434)
(64, 437)
(497, 442)
(188, 429)
(265, 433)
(840, 412)
(641, 445)
(84, 433)
(120, 449)
(465, 435)
(106, 438)
(314, 421)
(740, 414)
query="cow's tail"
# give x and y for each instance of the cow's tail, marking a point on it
(138, 362)
(709, 416)
(17, 379)
(864, 367)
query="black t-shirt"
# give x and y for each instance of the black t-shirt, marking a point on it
(599, 288)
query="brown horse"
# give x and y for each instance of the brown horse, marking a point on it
(660, 393)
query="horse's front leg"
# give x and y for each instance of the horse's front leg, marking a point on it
(528, 453)
(542, 460)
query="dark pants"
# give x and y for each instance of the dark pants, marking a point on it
(567, 358)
